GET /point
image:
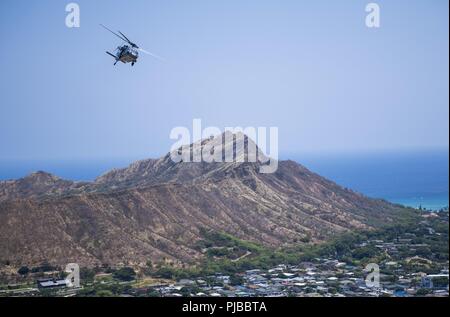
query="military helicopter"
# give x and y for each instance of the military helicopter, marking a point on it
(127, 53)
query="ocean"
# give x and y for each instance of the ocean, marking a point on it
(409, 178)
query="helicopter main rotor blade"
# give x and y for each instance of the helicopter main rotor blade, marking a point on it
(115, 34)
(151, 54)
(128, 40)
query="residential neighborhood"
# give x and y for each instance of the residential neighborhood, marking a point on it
(396, 262)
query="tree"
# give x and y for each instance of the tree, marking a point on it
(151, 292)
(422, 292)
(104, 293)
(165, 272)
(24, 270)
(236, 280)
(364, 252)
(125, 274)
(185, 292)
(440, 282)
(87, 274)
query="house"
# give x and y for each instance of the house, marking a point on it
(186, 282)
(255, 271)
(224, 279)
(391, 263)
(427, 281)
(51, 283)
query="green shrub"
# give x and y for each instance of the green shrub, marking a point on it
(125, 274)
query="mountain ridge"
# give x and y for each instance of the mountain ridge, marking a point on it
(156, 209)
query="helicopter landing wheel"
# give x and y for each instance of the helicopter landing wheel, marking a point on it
(132, 64)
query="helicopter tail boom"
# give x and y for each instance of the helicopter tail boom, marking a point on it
(115, 57)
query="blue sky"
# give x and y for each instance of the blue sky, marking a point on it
(312, 68)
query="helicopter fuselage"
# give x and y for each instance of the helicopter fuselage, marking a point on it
(127, 54)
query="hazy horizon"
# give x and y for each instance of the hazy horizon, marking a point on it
(409, 178)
